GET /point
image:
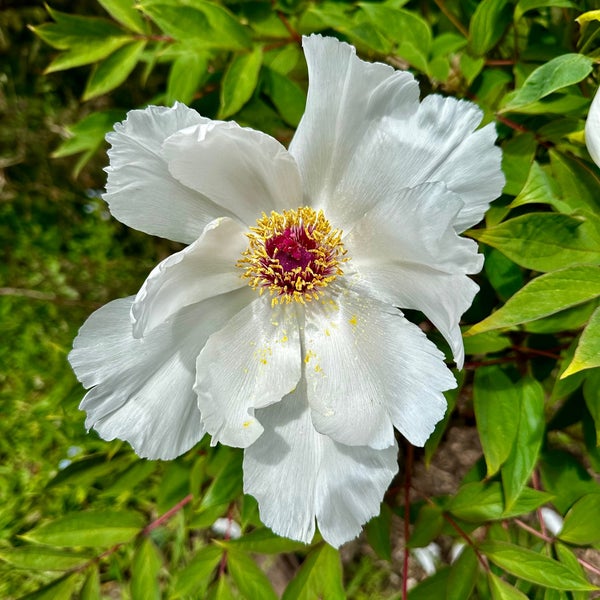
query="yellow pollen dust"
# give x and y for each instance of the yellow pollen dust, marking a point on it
(293, 255)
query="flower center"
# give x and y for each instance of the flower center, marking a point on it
(293, 255)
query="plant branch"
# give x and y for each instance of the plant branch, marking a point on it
(407, 479)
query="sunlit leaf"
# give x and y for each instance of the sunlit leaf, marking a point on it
(240, 82)
(248, 578)
(557, 73)
(496, 401)
(501, 590)
(543, 241)
(463, 574)
(145, 567)
(545, 295)
(490, 19)
(124, 12)
(320, 576)
(530, 434)
(91, 528)
(195, 577)
(40, 558)
(587, 353)
(535, 567)
(113, 71)
(581, 525)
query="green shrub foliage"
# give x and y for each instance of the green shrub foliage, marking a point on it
(84, 518)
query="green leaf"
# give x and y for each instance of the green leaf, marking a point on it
(320, 576)
(59, 589)
(528, 442)
(207, 24)
(463, 574)
(577, 182)
(195, 577)
(72, 30)
(288, 98)
(517, 156)
(145, 567)
(566, 556)
(239, 82)
(379, 533)
(581, 525)
(432, 587)
(488, 23)
(188, 73)
(504, 275)
(587, 353)
(525, 5)
(545, 295)
(400, 26)
(534, 567)
(557, 73)
(591, 393)
(503, 591)
(539, 188)
(264, 541)
(496, 401)
(112, 72)
(249, 579)
(477, 502)
(428, 526)
(487, 343)
(37, 558)
(226, 484)
(91, 585)
(94, 529)
(87, 136)
(124, 12)
(543, 241)
(565, 477)
(85, 53)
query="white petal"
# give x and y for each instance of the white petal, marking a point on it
(298, 475)
(250, 363)
(440, 143)
(205, 268)
(142, 390)
(346, 96)
(592, 130)
(245, 171)
(408, 254)
(140, 191)
(368, 367)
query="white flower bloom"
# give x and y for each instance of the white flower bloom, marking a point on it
(277, 328)
(592, 129)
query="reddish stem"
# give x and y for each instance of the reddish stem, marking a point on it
(166, 516)
(407, 478)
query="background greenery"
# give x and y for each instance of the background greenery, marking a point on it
(83, 518)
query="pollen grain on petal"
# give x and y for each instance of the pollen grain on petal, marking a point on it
(293, 255)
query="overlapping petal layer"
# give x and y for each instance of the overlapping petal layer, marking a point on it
(438, 143)
(205, 268)
(346, 97)
(142, 389)
(408, 254)
(251, 362)
(245, 171)
(299, 475)
(367, 368)
(140, 191)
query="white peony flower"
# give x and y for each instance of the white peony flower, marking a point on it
(592, 129)
(277, 328)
